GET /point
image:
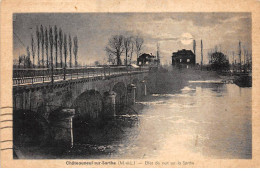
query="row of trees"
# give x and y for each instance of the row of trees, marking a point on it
(219, 61)
(119, 44)
(25, 60)
(47, 40)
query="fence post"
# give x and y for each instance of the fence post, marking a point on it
(70, 73)
(64, 73)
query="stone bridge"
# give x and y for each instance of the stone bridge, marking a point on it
(90, 95)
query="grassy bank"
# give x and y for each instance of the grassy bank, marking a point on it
(170, 80)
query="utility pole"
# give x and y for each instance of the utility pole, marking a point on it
(194, 49)
(201, 54)
(233, 61)
(245, 59)
(244, 55)
(239, 54)
(158, 54)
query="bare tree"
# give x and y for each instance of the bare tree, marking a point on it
(97, 63)
(38, 35)
(110, 58)
(33, 50)
(75, 49)
(113, 60)
(132, 45)
(65, 50)
(60, 45)
(20, 60)
(138, 45)
(28, 58)
(127, 47)
(116, 47)
(51, 49)
(70, 50)
(47, 46)
(56, 45)
(42, 41)
(25, 59)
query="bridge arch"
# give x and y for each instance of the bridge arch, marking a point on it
(88, 105)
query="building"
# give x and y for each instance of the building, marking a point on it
(147, 59)
(183, 58)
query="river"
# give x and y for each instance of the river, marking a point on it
(197, 119)
(202, 120)
(208, 120)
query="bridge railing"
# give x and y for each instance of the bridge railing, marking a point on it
(41, 75)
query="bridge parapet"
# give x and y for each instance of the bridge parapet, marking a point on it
(46, 75)
(48, 96)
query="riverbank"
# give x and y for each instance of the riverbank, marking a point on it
(172, 80)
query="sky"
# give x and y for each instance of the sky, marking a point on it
(173, 32)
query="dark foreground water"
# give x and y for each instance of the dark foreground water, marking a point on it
(204, 119)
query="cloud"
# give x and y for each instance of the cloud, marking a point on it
(94, 29)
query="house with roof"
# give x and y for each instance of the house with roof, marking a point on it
(183, 58)
(146, 59)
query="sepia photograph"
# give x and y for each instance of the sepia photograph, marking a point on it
(132, 85)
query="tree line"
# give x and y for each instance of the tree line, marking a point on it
(119, 44)
(221, 62)
(47, 43)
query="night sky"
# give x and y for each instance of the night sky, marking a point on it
(173, 31)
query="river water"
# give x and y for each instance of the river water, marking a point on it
(201, 120)
(206, 120)
(198, 119)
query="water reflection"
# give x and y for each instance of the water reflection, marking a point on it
(209, 120)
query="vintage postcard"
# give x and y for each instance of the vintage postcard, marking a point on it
(130, 84)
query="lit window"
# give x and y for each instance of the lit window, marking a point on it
(188, 60)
